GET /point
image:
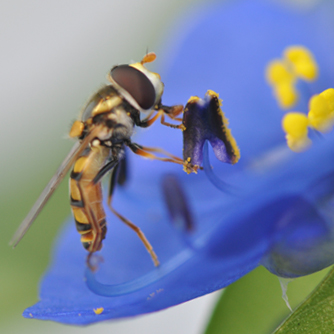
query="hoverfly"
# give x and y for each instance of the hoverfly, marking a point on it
(104, 130)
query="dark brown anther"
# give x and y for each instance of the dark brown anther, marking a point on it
(177, 203)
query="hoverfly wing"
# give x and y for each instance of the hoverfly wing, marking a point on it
(73, 155)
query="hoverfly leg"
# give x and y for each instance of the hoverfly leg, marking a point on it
(104, 170)
(113, 179)
(149, 248)
(147, 121)
(89, 264)
(122, 170)
(93, 260)
(162, 110)
(174, 126)
(140, 234)
(145, 152)
(173, 111)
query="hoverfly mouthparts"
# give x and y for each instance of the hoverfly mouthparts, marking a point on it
(103, 131)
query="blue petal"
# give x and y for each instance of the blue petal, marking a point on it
(226, 51)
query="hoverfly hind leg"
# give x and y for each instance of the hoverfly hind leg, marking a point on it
(135, 228)
(140, 234)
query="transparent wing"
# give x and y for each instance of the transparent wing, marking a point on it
(77, 149)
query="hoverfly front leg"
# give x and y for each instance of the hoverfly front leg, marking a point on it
(162, 110)
(145, 152)
(135, 228)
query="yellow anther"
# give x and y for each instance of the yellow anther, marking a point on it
(98, 310)
(193, 99)
(277, 72)
(318, 104)
(298, 144)
(328, 94)
(321, 110)
(295, 126)
(286, 95)
(302, 62)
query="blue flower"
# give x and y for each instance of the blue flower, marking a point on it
(279, 211)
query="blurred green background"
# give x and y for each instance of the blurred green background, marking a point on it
(54, 55)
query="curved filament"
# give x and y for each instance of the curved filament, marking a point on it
(213, 178)
(154, 275)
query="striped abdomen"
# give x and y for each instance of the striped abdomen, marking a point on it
(86, 198)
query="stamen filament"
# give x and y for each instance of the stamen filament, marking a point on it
(113, 290)
(213, 178)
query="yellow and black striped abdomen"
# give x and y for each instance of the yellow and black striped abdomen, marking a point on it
(86, 197)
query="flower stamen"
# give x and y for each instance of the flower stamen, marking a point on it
(177, 203)
(113, 290)
(320, 117)
(321, 114)
(213, 178)
(282, 74)
(295, 126)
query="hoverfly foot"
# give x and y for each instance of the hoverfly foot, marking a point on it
(93, 261)
(188, 167)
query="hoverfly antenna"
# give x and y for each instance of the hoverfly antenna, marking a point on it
(148, 58)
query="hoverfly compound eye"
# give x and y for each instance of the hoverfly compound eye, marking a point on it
(136, 83)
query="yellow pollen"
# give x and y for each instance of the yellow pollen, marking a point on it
(295, 126)
(277, 72)
(321, 110)
(286, 94)
(328, 95)
(193, 99)
(302, 62)
(282, 74)
(98, 310)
